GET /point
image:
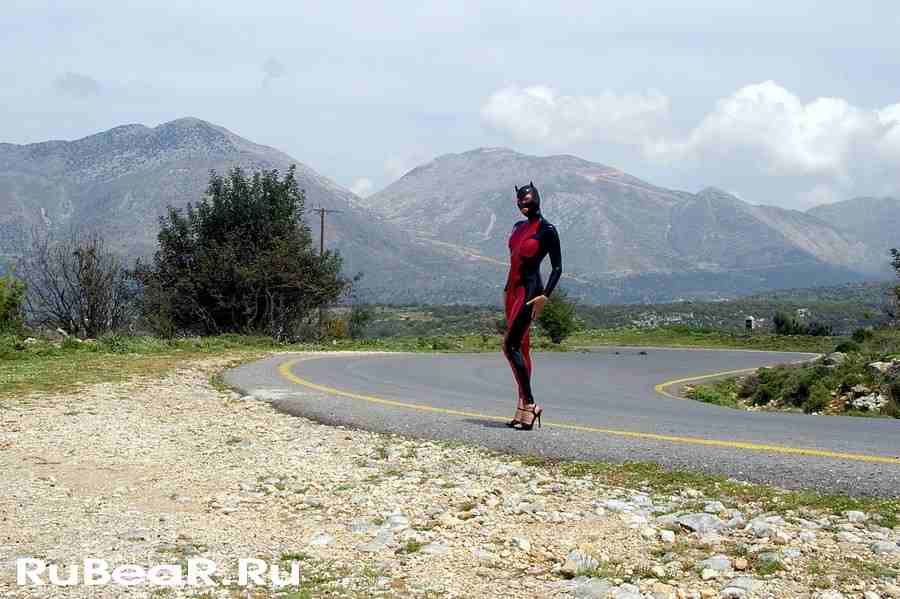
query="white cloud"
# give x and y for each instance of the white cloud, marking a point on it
(362, 187)
(540, 114)
(784, 136)
(826, 146)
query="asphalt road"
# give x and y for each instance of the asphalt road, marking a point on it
(607, 404)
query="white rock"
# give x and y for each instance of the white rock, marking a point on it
(435, 549)
(848, 537)
(321, 539)
(719, 563)
(885, 547)
(701, 522)
(714, 507)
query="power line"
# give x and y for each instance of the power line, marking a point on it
(322, 212)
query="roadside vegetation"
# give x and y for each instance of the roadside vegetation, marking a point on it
(860, 376)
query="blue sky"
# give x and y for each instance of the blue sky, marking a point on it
(785, 103)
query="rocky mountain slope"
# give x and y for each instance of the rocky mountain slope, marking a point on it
(438, 234)
(873, 221)
(120, 182)
(623, 239)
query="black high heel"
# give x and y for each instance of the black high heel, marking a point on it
(536, 412)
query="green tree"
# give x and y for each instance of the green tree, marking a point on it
(558, 316)
(12, 295)
(241, 260)
(785, 324)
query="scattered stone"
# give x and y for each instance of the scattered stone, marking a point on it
(321, 539)
(760, 528)
(435, 549)
(879, 367)
(701, 522)
(617, 506)
(719, 563)
(521, 543)
(592, 588)
(741, 564)
(714, 507)
(667, 536)
(848, 537)
(872, 402)
(858, 390)
(660, 590)
(626, 591)
(885, 547)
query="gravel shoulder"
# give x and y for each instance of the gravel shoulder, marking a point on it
(153, 471)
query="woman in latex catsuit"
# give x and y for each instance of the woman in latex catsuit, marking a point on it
(525, 295)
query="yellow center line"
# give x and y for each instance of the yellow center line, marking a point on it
(285, 370)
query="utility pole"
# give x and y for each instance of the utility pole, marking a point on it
(322, 212)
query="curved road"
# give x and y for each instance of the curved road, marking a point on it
(612, 404)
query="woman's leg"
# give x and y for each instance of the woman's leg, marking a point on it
(515, 344)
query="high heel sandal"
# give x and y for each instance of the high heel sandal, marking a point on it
(515, 422)
(536, 412)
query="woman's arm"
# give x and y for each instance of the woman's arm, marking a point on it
(552, 240)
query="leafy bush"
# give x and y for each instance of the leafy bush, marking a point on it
(765, 386)
(240, 261)
(12, 295)
(862, 335)
(557, 318)
(847, 347)
(817, 399)
(785, 324)
(819, 329)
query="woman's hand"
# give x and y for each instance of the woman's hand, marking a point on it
(538, 302)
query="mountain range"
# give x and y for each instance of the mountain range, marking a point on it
(438, 234)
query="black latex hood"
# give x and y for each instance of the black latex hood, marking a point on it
(528, 197)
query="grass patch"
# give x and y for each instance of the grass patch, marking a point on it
(720, 393)
(683, 336)
(768, 567)
(411, 546)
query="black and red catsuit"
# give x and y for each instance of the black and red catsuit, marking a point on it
(529, 242)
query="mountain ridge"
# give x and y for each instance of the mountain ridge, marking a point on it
(438, 234)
